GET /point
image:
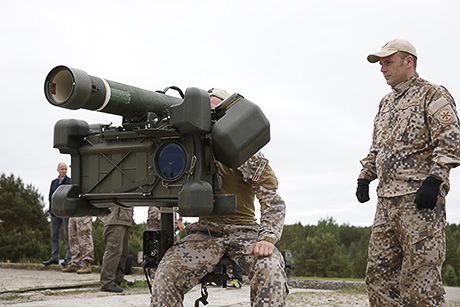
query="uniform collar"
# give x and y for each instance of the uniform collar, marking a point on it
(402, 87)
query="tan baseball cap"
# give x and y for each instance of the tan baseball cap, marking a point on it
(218, 92)
(391, 48)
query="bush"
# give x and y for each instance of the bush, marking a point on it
(449, 277)
(25, 231)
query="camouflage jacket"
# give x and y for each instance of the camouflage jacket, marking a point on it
(416, 134)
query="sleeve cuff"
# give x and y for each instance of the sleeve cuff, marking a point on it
(439, 172)
(268, 239)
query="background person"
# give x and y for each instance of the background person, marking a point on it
(116, 237)
(415, 143)
(154, 219)
(57, 222)
(237, 277)
(81, 245)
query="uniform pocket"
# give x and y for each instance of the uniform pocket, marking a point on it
(413, 130)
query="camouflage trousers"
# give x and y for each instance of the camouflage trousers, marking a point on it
(81, 239)
(406, 250)
(187, 261)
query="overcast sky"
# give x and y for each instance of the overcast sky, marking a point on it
(303, 62)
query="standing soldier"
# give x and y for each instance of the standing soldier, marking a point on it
(416, 141)
(81, 245)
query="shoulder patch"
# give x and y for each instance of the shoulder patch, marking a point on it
(260, 168)
(446, 115)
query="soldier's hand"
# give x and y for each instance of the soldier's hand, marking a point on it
(262, 249)
(362, 191)
(427, 195)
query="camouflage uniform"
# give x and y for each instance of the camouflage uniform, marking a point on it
(416, 134)
(187, 261)
(153, 218)
(81, 239)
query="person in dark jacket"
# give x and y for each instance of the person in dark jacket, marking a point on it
(57, 222)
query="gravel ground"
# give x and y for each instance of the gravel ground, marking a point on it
(321, 298)
(139, 297)
(39, 286)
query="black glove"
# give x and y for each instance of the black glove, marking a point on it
(427, 194)
(362, 192)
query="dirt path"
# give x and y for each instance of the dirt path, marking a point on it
(40, 286)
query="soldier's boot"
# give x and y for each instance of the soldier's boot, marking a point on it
(86, 268)
(71, 269)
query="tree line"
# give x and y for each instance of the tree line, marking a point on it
(330, 250)
(323, 250)
(25, 227)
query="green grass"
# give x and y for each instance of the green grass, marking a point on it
(139, 284)
(9, 297)
(361, 289)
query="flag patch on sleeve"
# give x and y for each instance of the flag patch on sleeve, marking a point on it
(259, 170)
